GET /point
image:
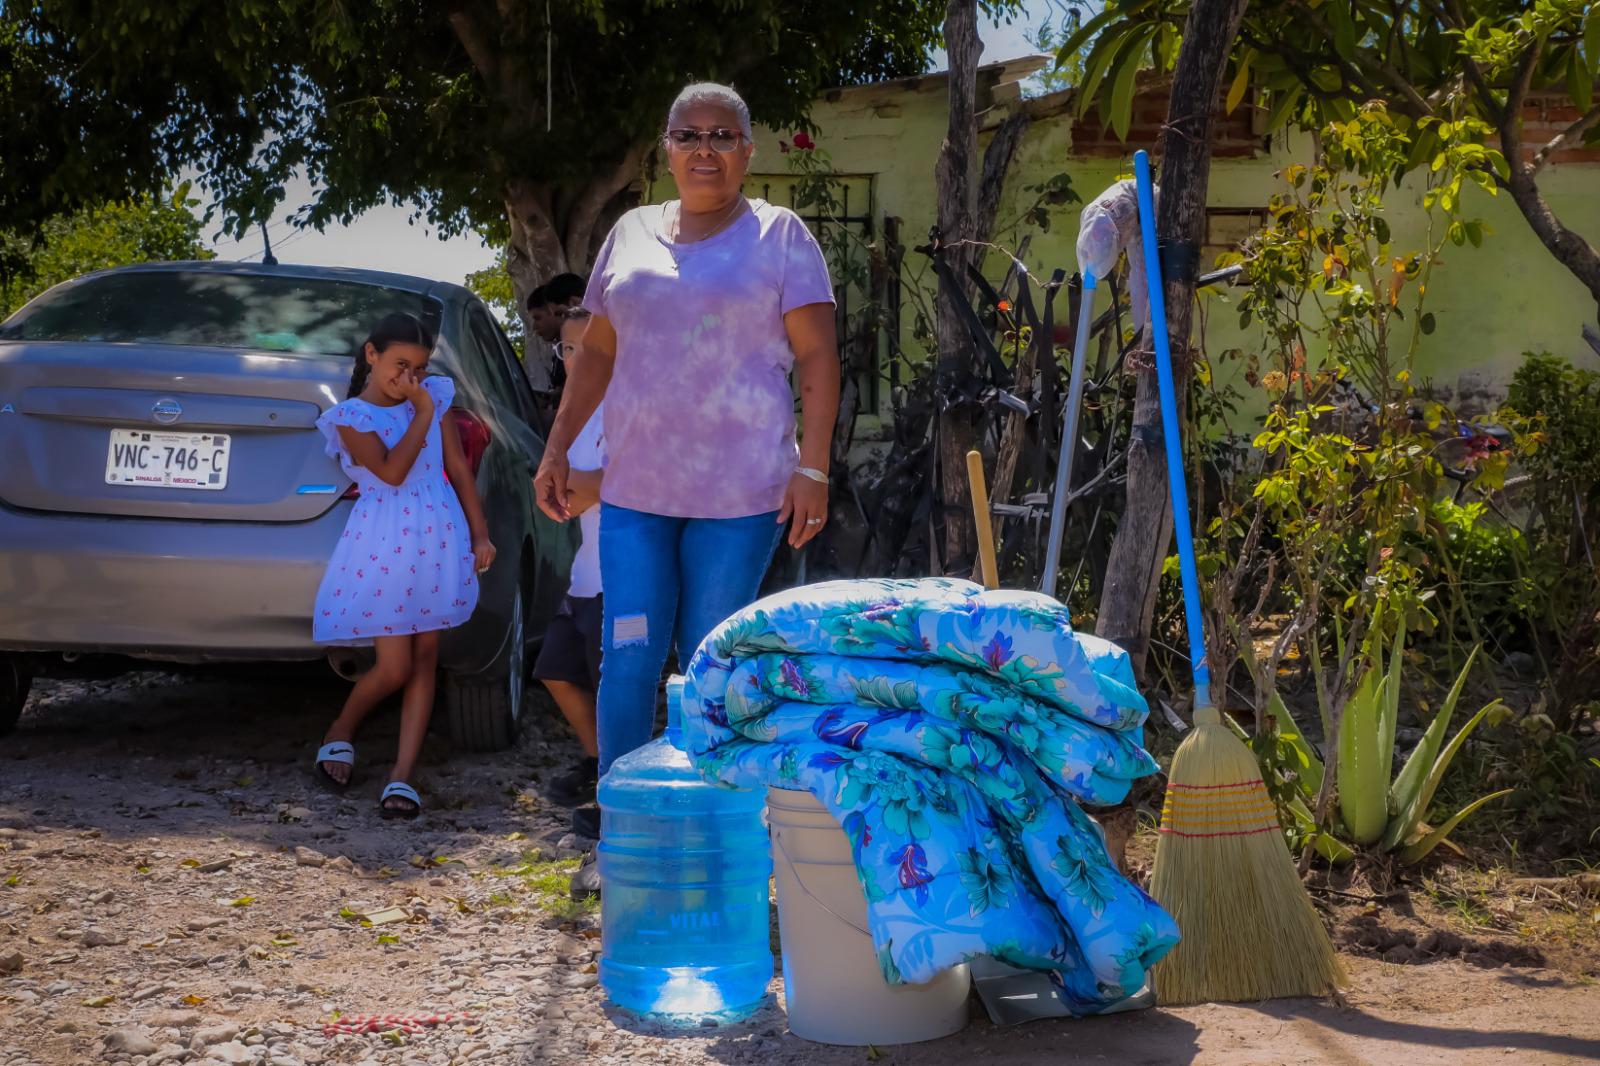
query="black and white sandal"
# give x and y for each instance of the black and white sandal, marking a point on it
(399, 790)
(337, 751)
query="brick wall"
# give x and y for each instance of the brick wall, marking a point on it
(1239, 135)
(1234, 136)
(1545, 115)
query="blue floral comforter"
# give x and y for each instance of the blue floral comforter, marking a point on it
(951, 731)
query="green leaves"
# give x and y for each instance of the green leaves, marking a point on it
(139, 230)
(251, 94)
(1121, 98)
(1591, 41)
(1364, 759)
(1343, 26)
(1580, 80)
(1241, 82)
(1374, 810)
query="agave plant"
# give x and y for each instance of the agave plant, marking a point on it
(1389, 813)
(1373, 809)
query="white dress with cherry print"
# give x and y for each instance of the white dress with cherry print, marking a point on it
(404, 564)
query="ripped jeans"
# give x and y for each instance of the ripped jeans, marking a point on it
(666, 578)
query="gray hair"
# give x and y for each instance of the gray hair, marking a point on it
(709, 92)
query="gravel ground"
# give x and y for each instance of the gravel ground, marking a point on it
(174, 888)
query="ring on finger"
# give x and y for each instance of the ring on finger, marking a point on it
(813, 521)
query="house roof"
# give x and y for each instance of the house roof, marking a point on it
(1006, 70)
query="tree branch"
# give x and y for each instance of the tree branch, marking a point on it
(1350, 71)
(1520, 84)
(1419, 105)
(596, 195)
(1297, 60)
(503, 78)
(1565, 137)
(996, 165)
(1569, 248)
(475, 39)
(1457, 21)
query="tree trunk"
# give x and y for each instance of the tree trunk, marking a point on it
(1569, 248)
(535, 253)
(957, 210)
(1128, 598)
(546, 241)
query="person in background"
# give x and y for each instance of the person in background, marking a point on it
(569, 662)
(538, 360)
(546, 324)
(701, 307)
(561, 293)
(564, 291)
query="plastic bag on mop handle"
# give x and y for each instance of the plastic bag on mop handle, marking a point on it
(1108, 227)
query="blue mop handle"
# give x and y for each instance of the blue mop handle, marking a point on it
(1170, 432)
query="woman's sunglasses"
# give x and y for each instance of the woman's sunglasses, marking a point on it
(721, 140)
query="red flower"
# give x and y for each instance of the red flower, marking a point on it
(1479, 446)
(804, 142)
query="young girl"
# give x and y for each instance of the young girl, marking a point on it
(405, 567)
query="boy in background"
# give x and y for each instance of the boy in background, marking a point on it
(569, 662)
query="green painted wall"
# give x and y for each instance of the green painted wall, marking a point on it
(1491, 303)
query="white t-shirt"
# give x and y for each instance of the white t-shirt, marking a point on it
(588, 453)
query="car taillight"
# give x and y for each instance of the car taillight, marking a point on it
(352, 493)
(474, 435)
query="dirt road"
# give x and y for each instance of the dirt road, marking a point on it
(174, 889)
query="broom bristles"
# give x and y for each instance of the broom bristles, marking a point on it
(1224, 873)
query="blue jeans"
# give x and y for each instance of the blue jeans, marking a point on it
(664, 578)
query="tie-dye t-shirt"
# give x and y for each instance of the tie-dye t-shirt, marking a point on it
(699, 416)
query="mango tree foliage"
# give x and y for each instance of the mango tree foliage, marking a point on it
(1314, 62)
(526, 120)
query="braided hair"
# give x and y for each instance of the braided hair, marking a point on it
(396, 328)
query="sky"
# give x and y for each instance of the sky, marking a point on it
(384, 238)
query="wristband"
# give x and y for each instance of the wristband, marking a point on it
(813, 473)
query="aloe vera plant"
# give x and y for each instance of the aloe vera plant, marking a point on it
(1373, 810)
(1389, 813)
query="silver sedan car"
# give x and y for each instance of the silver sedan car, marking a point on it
(165, 494)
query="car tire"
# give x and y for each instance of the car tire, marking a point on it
(484, 710)
(16, 680)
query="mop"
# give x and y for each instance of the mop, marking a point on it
(1222, 867)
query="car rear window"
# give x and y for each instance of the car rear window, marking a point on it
(310, 316)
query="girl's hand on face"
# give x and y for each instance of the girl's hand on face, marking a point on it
(806, 501)
(483, 553)
(411, 388)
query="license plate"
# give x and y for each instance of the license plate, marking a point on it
(167, 460)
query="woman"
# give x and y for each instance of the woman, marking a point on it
(700, 307)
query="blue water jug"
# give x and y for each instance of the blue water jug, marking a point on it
(684, 866)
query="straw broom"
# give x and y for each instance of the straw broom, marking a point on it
(1224, 873)
(1222, 868)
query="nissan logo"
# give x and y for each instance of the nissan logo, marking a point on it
(166, 411)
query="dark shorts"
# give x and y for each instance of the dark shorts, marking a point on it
(571, 650)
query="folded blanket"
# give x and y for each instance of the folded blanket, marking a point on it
(949, 730)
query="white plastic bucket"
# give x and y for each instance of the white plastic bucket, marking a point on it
(833, 987)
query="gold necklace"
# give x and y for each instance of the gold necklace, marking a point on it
(727, 217)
